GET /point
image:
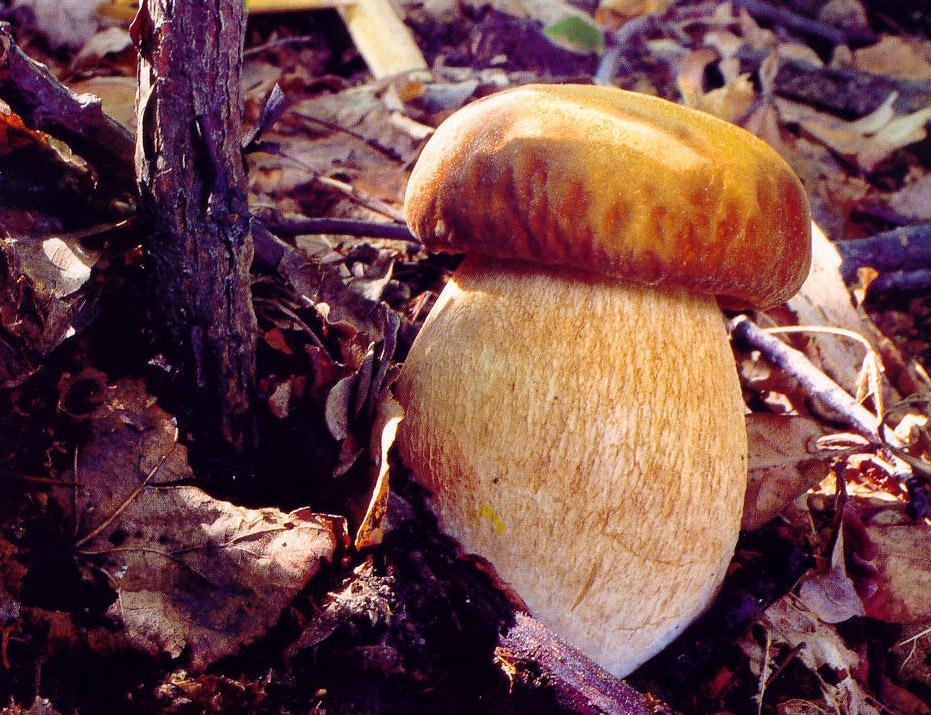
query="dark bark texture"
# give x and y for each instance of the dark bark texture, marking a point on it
(193, 189)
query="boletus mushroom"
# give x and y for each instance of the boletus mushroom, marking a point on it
(572, 402)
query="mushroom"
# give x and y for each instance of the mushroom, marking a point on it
(571, 402)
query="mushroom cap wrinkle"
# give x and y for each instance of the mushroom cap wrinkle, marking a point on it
(618, 183)
(571, 401)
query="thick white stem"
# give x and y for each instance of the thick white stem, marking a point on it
(586, 438)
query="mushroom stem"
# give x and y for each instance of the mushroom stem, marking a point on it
(587, 439)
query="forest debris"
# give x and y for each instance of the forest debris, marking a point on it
(383, 40)
(894, 57)
(815, 382)
(191, 572)
(730, 101)
(117, 96)
(533, 652)
(372, 529)
(40, 301)
(762, 10)
(785, 462)
(913, 200)
(843, 91)
(65, 23)
(908, 247)
(113, 40)
(830, 594)
(824, 300)
(44, 103)
(819, 647)
(901, 549)
(870, 139)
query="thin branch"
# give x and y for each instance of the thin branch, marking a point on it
(813, 380)
(45, 103)
(903, 249)
(297, 41)
(579, 685)
(762, 10)
(344, 227)
(385, 151)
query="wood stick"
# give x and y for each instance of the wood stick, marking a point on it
(579, 685)
(813, 380)
(343, 227)
(193, 190)
(905, 249)
(45, 103)
(761, 10)
(842, 91)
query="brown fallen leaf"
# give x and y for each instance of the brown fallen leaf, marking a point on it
(784, 463)
(192, 573)
(902, 561)
(896, 57)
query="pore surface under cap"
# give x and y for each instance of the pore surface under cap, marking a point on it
(618, 183)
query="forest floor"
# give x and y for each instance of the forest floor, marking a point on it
(126, 583)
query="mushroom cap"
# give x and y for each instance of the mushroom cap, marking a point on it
(615, 182)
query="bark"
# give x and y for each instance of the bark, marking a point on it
(192, 186)
(44, 103)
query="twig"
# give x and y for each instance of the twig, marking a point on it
(868, 383)
(282, 42)
(44, 103)
(842, 91)
(344, 227)
(578, 684)
(349, 191)
(385, 151)
(813, 380)
(793, 21)
(906, 249)
(905, 282)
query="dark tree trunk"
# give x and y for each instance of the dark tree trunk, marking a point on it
(193, 191)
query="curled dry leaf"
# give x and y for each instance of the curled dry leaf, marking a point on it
(192, 573)
(372, 529)
(40, 302)
(831, 594)
(870, 139)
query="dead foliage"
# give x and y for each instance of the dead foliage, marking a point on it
(140, 569)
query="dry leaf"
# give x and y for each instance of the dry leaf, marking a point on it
(831, 595)
(113, 40)
(914, 199)
(372, 529)
(869, 140)
(117, 97)
(193, 574)
(903, 561)
(66, 23)
(819, 646)
(784, 464)
(825, 301)
(894, 56)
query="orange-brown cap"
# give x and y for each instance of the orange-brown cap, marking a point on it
(618, 183)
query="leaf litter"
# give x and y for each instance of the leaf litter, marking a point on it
(197, 577)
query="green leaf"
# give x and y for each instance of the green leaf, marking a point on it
(576, 33)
